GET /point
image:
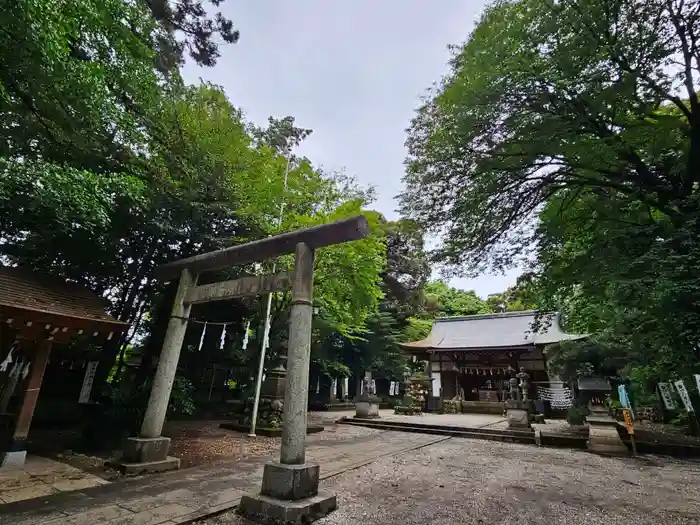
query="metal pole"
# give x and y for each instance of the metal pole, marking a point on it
(261, 368)
(266, 330)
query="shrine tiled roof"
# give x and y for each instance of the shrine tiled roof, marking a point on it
(25, 290)
(489, 331)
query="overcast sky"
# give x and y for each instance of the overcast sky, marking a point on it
(353, 72)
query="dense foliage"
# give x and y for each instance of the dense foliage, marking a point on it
(566, 137)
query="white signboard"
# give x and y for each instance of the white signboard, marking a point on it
(666, 392)
(680, 386)
(88, 380)
(437, 384)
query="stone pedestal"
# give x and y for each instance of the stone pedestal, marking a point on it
(518, 414)
(289, 494)
(367, 408)
(603, 436)
(142, 455)
(266, 415)
(270, 412)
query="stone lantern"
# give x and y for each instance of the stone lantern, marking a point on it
(603, 435)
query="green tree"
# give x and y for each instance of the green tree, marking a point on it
(522, 296)
(550, 95)
(574, 127)
(442, 300)
(375, 345)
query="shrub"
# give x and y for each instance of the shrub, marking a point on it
(576, 415)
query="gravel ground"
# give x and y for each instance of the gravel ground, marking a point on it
(203, 442)
(200, 443)
(489, 483)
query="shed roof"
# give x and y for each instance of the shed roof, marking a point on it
(491, 331)
(22, 290)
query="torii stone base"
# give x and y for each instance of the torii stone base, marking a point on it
(289, 495)
(145, 455)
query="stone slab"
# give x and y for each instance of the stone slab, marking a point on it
(12, 460)
(366, 409)
(146, 467)
(605, 439)
(149, 502)
(215, 488)
(26, 493)
(145, 450)
(269, 511)
(290, 482)
(90, 517)
(154, 516)
(518, 418)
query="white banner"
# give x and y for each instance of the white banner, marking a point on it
(437, 384)
(88, 380)
(680, 386)
(666, 392)
(559, 398)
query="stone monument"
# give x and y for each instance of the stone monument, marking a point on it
(603, 436)
(514, 389)
(524, 384)
(518, 407)
(367, 404)
(271, 404)
(416, 389)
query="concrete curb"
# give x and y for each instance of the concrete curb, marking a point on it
(231, 505)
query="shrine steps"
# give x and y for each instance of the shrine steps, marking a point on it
(512, 436)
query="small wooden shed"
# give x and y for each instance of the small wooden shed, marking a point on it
(36, 312)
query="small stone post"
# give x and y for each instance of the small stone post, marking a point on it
(333, 395)
(344, 389)
(289, 492)
(149, 451)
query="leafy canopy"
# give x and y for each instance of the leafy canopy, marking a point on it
(544, 96)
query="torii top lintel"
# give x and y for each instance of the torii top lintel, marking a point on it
(338, 232)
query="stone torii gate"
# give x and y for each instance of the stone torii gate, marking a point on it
(289, 488)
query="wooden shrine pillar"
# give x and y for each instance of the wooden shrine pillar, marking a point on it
(13, 451)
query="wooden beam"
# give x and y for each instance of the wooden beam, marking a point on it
(243, 287)
(337, 232)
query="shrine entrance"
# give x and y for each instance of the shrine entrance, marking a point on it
(484, 384)
(281, 485)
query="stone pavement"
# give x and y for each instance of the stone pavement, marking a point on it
(42, 477)
(182, 496)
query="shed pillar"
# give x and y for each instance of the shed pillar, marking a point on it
(13, 451)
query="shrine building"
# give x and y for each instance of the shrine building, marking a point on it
(470, 356)
(39, 316)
